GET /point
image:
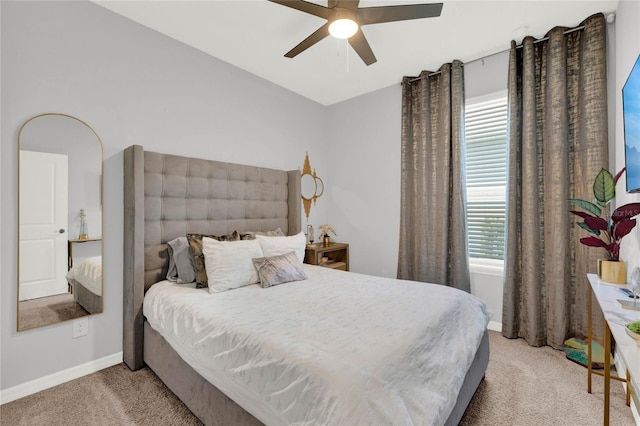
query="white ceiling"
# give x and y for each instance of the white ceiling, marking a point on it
(255, 34)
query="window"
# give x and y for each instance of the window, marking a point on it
(486, 140)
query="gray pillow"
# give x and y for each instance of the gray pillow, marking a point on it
(279, 269)
(181, 269)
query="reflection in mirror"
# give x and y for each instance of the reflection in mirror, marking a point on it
(308, 186)
(319, 187)
(311, 186)
(60, 221)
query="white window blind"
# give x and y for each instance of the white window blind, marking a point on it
(486, 140)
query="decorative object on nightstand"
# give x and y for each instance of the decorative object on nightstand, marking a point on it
(84, 233)
(607, 228)
(324, 233)
(334, 256)
(310, 234)
(311, 186)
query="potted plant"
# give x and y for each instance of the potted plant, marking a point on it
(607, 229)
(324, 233)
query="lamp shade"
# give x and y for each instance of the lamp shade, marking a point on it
(343, 28)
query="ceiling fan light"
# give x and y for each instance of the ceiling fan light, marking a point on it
(343, 28)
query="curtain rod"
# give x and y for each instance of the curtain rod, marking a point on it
(519, 46)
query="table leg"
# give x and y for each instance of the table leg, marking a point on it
(607, 371)
(589, 337)
(628, 399)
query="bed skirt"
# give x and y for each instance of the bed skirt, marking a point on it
(91, 302)
(213, 407)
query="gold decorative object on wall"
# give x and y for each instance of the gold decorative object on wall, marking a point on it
(312, 187)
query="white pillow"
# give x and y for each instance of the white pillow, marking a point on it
(275, 246)
(228, 263)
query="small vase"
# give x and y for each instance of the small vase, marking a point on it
(326, 240)
(612, 271)
(83, 234)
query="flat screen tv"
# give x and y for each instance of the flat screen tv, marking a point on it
(631, 116)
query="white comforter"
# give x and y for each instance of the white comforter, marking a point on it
(337, 349)
(89, 274)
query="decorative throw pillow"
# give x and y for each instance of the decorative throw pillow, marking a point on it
(181, 269)
(195, 243)
(251, 235)
(273, 246)
(229, 263)
(279, 269)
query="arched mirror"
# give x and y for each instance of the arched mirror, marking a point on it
(311, 186)
(60, 220)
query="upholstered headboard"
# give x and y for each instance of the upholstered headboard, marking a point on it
(167, 196)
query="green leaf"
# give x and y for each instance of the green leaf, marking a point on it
(586, 205)
(586, 228)
(604, 187)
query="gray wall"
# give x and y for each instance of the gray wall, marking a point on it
(133, 86)
(364, 204)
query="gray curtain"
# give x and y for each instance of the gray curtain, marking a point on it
(557, 144)
(433, 243)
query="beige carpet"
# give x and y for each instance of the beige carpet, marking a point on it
(49, 310)
(523, 386)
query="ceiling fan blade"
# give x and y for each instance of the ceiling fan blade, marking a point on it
(318, 35)
(347, 4)
(332, 3)
(381, 14)
(360, 44)
(305, 6)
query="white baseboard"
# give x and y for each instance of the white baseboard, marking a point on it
(495, 326)
(37, 385)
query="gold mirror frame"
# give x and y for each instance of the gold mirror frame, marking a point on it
(69, 244)
(306, 171)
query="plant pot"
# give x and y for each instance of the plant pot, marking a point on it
(326, 241)
(612, 271)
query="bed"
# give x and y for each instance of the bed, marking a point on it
(85, 278)
(167, 196)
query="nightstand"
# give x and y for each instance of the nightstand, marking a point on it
(337, 255)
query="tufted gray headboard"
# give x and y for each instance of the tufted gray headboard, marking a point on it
(167, 196)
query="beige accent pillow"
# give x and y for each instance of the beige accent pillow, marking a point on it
(280, 269)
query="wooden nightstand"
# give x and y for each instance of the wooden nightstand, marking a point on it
(337, 254)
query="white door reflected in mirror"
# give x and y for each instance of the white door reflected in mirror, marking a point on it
(42, 215)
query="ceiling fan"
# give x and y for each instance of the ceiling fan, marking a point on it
(344, 19)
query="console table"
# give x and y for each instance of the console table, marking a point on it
(627, 349)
